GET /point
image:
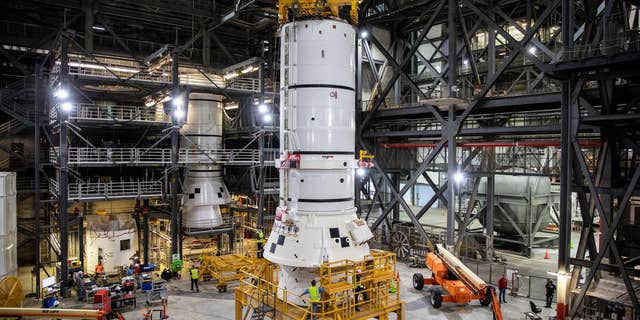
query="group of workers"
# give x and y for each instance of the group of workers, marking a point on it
(549, 288)
(315, 294)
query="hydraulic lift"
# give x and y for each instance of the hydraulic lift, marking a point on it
(461, 284)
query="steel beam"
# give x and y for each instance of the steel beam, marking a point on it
(63, 171)
(175, 146)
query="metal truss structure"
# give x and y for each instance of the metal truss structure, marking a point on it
(115, 73)
(505, 87)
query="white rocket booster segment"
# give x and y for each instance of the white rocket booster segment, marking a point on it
(316, 219)
(204, 190)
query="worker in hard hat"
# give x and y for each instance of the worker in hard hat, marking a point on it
(99, 268)
(79, 282)
(359, 288)
(315, 297)
(194, 278)
(260, 242)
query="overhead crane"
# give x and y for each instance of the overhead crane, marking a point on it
(461, 284)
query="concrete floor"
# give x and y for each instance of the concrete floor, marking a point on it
(209, 304)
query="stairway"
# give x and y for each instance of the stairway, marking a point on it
(260, 312)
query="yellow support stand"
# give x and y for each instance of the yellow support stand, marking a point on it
(377, 271)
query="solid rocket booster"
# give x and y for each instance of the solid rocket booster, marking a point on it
(204, 190)
(316, 219)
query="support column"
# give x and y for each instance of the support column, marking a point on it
(145, 230)
(87, 9)
(567, 137)
(206, 46)
(396, 206)
(452, 168)
(261, 177)
(453, 52)
(36, 172)
(63, 171)
(81, 237)
(175, 145)
(489, 211)
(452, 165)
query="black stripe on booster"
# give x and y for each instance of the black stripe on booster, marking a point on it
(319, 85)
(325, 200)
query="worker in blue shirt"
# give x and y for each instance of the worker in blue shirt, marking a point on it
(315, 294)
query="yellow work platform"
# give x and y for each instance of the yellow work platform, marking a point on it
(259, 292)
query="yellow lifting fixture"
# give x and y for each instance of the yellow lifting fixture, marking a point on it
(316, 8)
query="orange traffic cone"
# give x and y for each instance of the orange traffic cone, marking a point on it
(546, 254)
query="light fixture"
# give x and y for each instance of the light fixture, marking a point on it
(179, 113)
(458, 177)
(150, 103)
(532, 50)
(262, 108)
(364, 34)
(361, 172)
(559, 274)
(248, 69)
(98, 28)
(61, 93)
(66, 106)
(177, 102)
(465, 62)
(231, 106)
(101, 67)
(230, 75)
(267, 118)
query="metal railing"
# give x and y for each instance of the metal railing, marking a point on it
(144, 156)
(125, 69)
(204, 226)
(519, 284)
(9, 126)
(83, 111)
(111, 190)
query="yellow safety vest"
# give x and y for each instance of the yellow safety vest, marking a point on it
(260, 235)
(392, 287)
(194, 274)
(314, 294)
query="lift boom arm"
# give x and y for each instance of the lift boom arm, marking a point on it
(470, 279)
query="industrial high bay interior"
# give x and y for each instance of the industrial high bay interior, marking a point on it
(375, 147)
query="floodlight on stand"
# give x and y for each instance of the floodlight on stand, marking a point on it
(66, 106)
(361, 172)
(364, 34)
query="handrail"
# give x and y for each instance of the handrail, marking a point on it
(144, 156)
